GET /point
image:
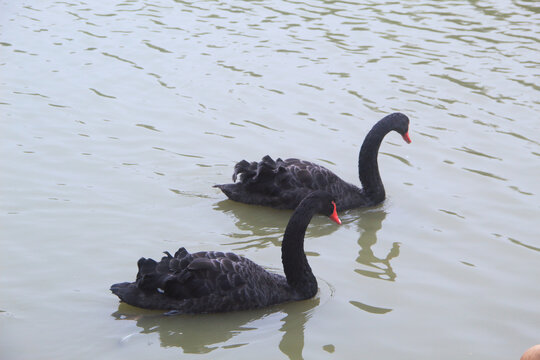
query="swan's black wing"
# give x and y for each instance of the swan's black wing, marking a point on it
(284, 183)
(207, 281)
(187, 275)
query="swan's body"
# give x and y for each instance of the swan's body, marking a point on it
(210, 281)
(283, 184)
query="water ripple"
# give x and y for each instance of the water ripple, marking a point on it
(485, 173)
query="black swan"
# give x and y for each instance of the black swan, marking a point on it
(212, 281)
(282, 184)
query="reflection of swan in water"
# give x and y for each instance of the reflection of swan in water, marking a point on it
(368, 224)
(292, 342)
(258, 227)
(203, 333)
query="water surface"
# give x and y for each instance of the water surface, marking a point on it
(116, 118)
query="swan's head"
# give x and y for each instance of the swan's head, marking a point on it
(323, 203)
(400, 123)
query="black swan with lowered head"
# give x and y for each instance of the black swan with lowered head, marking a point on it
(212, 281)
(282, 184)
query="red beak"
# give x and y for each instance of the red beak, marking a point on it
(406, 137)
(334, 216)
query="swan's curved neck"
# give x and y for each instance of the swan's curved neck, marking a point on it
(295, 264)
(368, 168)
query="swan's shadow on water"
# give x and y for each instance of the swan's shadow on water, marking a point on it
(263, 226)
(203, 333)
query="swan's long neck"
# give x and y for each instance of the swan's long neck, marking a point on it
(368, 168)
(295, 264)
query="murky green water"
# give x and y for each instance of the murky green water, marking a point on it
(118, 117)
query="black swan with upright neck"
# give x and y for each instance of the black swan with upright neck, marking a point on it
(282, 184)
(212, 281)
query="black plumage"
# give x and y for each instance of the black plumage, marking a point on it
(213, 281)
(282, 184)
